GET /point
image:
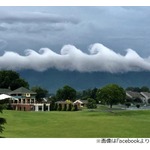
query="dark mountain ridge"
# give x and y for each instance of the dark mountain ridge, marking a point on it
(53, 79)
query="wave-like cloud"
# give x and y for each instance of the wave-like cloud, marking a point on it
(100, 58)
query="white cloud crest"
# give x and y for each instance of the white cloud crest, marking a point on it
(99, 58)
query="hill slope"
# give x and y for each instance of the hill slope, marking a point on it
(53, 79)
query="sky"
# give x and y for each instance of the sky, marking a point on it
(102, 38)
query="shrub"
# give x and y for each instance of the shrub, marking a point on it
(9, 107)
(2, 120)
(56, 106)
(69, 107)
(75, 107)
(91, 103)
(137, 100)
(128, 105)
(65, 107)
(52, 105)
(138, 105)
(60, 107)
(44, 106)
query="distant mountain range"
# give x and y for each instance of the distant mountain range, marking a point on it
(53, 79)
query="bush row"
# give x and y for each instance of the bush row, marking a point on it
(63, 107)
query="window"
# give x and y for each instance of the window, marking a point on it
(40, 108)
(28, 100)
(32, 100)
(27, 94)
(23, 100)
(19, 100)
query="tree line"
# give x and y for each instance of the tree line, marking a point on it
(110, 94)
(11, 80)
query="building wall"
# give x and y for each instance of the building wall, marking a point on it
(31, 107)
(22, 107)
(40, 107)
(27, 102)
(24, 103)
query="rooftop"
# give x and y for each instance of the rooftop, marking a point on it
(134, 94)
(22, 90)
(4, 91)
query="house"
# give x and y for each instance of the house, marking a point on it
(135, 97)
(147, 97)
(78, 103)
(63, 104)
(27, 100)
(84, 102)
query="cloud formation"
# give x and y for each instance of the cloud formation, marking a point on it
(36, 27)
(35, 17)
(2, 44)
(99, 58)
(34, 22)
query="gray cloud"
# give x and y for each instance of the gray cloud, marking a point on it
(2, 28)
(99, 58)
(36, 27)
(3, 44)
(34, 22)
(35, 17)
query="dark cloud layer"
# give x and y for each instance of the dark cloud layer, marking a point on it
(118, 28)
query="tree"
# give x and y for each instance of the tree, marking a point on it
(65, 93)
(52, 100)
(91, 103)
(40, 93)
(89, 93)
(52, 105)
(86, 94)
(148, 101)
(134, 89)
(144, 89)
(94, 93)
(56, 106)
(111, 94)
(137, 89)
(12, 80)
(2, 120)
(130, 89)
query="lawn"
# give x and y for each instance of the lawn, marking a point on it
(80, 124)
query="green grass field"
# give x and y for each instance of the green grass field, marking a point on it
(80, 124)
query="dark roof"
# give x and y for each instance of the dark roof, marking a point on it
(84, 101)
(146, 93)
(4, 91)
(133, 94)
(22, 90)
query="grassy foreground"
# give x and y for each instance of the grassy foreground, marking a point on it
(81, 124)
